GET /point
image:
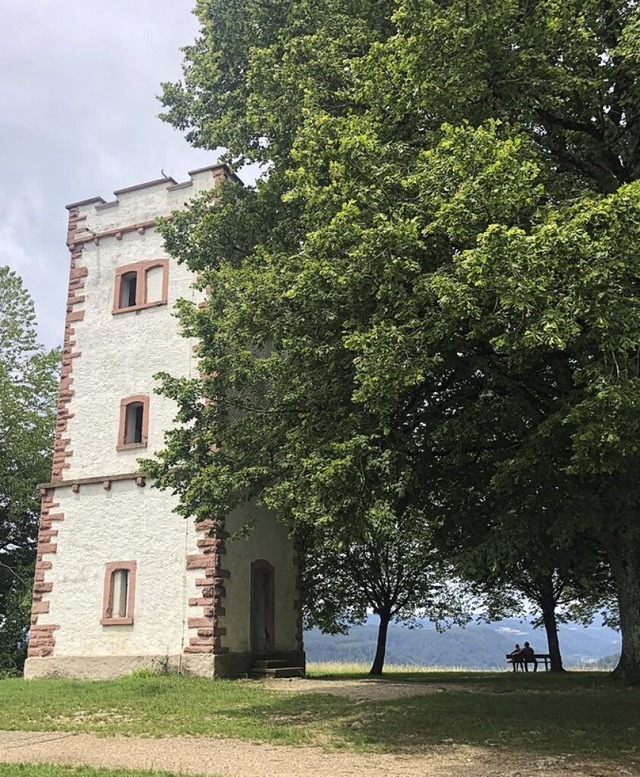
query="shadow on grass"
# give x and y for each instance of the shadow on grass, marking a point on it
(507, 679)
(584, 716)
(539, 714)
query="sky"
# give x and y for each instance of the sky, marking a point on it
(78, 119)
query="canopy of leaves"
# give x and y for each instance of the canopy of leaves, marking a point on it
(28, 389)
(431, 299)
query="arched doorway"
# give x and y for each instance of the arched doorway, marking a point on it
(262, 607)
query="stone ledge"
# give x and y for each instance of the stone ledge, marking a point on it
(102, 479)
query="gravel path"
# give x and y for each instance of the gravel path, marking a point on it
(236, 758)
(206, 756)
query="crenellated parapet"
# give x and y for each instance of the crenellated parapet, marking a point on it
(137, 208)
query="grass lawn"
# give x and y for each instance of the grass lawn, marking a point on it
(46, 770)
(582, 713)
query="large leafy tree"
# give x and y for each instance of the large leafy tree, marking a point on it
(536, 346)
(28, 388)
(442, 256)
(283, 430)
(507, 544)
(389, 567)
(346, 495)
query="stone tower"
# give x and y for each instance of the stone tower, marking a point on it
(121, 581)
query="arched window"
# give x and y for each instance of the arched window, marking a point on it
(119, 593)
(134, 422)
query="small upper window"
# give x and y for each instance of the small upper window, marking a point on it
(128, 286)
(141, 285)
(134, 422)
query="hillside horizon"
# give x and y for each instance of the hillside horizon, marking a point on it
(476, 646)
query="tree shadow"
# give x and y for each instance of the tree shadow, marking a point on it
(528, 715)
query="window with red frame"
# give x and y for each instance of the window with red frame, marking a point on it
(141, 285)
(119, 593)
(133, 430)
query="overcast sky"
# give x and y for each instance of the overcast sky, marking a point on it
(78, 119)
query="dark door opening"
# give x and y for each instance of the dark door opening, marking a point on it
(262, 607)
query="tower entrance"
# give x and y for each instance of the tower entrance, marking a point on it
(262, 607)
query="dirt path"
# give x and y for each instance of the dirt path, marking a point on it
(236, 758)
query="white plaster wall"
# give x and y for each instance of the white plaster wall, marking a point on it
(127, 523)
(269, 540)
(120, 354)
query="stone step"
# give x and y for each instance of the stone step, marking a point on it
(269, 663)
(274, 655)
(258, 673)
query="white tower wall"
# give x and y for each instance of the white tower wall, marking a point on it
(121, 580)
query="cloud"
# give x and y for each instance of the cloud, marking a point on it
(509, 630)
(79, 82)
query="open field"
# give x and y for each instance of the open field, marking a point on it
(541, 714)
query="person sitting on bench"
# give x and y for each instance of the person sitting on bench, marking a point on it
(516, 658)
(527, 656)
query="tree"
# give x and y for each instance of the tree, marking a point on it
(588, 399)
(444, 250)
(508, 548)
(28, 388)
(549, 588)
(390, 566)
(290, 439)
(548, 332)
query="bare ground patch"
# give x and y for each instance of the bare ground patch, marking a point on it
(364, 690)
(236, 758)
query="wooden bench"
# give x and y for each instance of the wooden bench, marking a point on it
(537, 657)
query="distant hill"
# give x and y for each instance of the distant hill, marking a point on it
(606, 662)
(479, 646)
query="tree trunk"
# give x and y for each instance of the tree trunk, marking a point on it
(381, 646)
(624, 555)
(548, 607)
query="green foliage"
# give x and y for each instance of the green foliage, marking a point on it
(28, 389)
(428, 305)
(250, 71)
